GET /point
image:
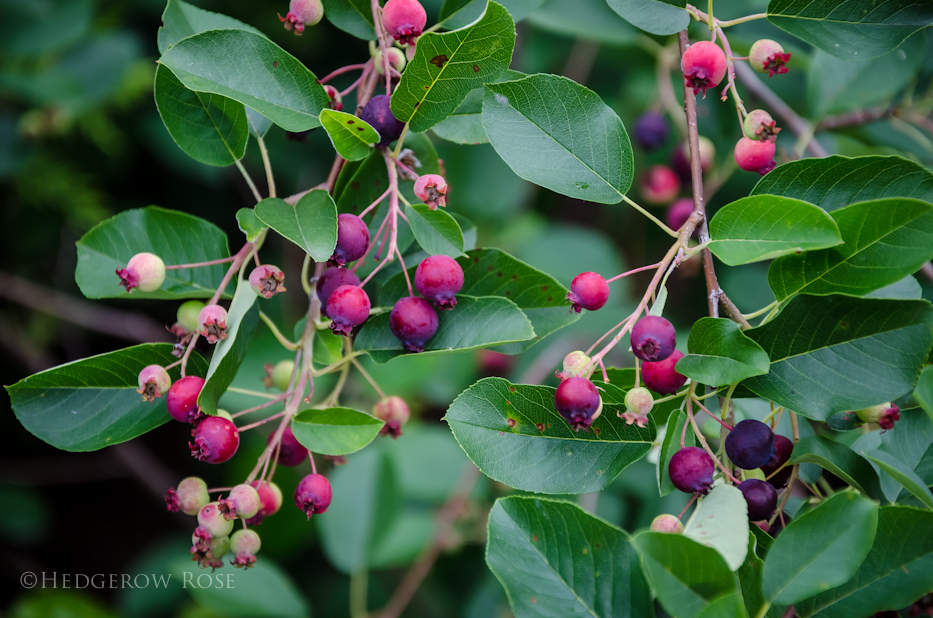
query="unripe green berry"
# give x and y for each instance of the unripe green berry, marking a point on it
(575, 365)
(144, 271)
(638, 403)
(244, 544)
(282, 374)
(396, 60)
(187, 314)
(243, 502)
(189, 497)
(759, 125)
(211, 518)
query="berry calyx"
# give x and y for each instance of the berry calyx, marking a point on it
(208, 551)
(667, 523)
(638, 403)
(144, 271)
(661, 376)
(691, 470)
(432, 190)
(291, 451)
(270, 501)
(302, 13)
(783, 448)
(759, 125)
(575, 365)
(438, 278)
(212, 520)
(651, 131)
(332, 279)
(313, 495)
(242, 501)
(588, 291)
(182, 399)
(703, 66)
(187, 315)
(396, 57)
(212, 323)
(750, 444)
(347, 307)
(352, 240)
(761, 498)
(678, 213)
(153, 381)
(413, 321)
(578, 401)
(189, 497)
(216, 439)
(378, 114)
(404, 20)
(280, 375)
(393, 411)
(336, 101)
(660, 185)
(767, 56)
(267, 280)
(755, 156)
(885, 415)
(653, 338)
(244, 545)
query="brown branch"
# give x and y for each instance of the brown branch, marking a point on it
(859, 116)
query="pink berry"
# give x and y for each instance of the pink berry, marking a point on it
(216, 439)
(767, 56)
(678, 213)
(393, 411)
(404, 20)
(302, 13)
(145, 271)
(244, 545)
(347, 307)
(336, 101)
(661, 377)
(270, 501)
(759, 125)
(703, 65)
(267, 280)
(378, 114)
(291, 451)
(578, 401)
(243, 501)
(212, 520)
(755, 156)
(660, 185)
(153, 381)
(588, 291)
(638, 404)
(189, 497)
(575, 365)
(667, 523)
(438, 278)
(313, 495)
(653, 338)
(432, 190)
(352, 240)
(691, 470)
(212, 323)
(413, 321)
(332, 279)
(182, 399)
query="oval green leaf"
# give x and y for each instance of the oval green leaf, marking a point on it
(352, 137)
(353, 16)
(903, 475)
(838, 459)
(335, 431)
(249, 223)
(181, 20)
(720, 521)
(655, 16)
(436, 231)
(311, 223)
(720, 353)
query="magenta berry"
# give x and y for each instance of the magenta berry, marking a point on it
(413, 321)
(588, 291)
(332, 279)
(189, 497)
(438, 278)
(691, 470)
(703, 65)
(396, 57)
(638, 403)
(667, 523)
(755, 156)
(575, 365)
(208, 551)
(660, 185)
(761, 498)
(182, 399)
(885, 415)
(651, 131)
(378, 114)
(653, 338)
(244, 545)
(578, 401)
(242, 501)
(393, 411)
(270, 501)
(661, 376)
(404, 20)
(144, 271)
(680, 158)
(750, 444)
(313, 495)
(760, 126)
(432, 190)
(352, 240)
(347, 307)
(216, 439)
(783, 448)
(211, 519)
(212, 323)
(767, 56)
(267, 280)
(678, 213)
(336, 101)
(153, 381)
(291, 452)
(302, 13)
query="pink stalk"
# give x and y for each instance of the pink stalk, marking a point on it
(341, 71)
(200, 264)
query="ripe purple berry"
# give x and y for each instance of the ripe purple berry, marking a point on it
(212, 323)
(660, 185)
(750, 444)
(378, 114)
(438, 278)
(667, 523)
(302, 13)
(767, 56)
(588, 291)
(291, 451)
(352, 240)
(651, 131)
(691, 470)
(661, 376)
(755, 156)
(761, 498)
(653, 338)
(578, 401)
(244, 545)
(332, 279)
(404, 20)
(759, 125)
(783, 448)
(182, 399)
(347, 307)
(313, 495)
(242, 501)
(189, 497)
(432, 190)
(145, 271)
(413, 321)
(270, 501)
(703, 66)
(393, 411)
(267, 280)
(212, 520)
(216, 439)
(153, 381)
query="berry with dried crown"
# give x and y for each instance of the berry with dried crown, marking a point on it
(575, 365)
(393, 411)
(270, 501)
(215, 441)
(760, 126)
(336, 101)
(885, 415)
(212, 323)
(432, 190)
(653, 338)
(767, 56)
(267, 280)
(302, 13)
(638, 403)
(242, 501)
(438, 278)
(212, 520)
(404, 20)
(182, 399)
(313, 495)
(347, 307)
(755, 156)
(208, 551)
(244, 545)
(352, 240)
(144, 271)
(189, 497)
(153, 381)
(588, 291)
(703, 66)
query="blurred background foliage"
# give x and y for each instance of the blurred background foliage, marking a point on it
(80, 140)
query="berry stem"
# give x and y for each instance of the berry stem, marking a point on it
(375, 203)
(288, 345)
(200, 264)
(705, 444)
(262, 422)
(401, 261)
(270, 179)
(369, 378)
(713, 416)
(249, 181)
(762, 311)
(412, 174)
(633, 271)
(262, 406)
(690, 501)
(333, 367)
(731, 66)
(372, 244)
(341, 71)
(313, 466)
(650, 216)
(244, 391)
(401, 140)
(381, 36)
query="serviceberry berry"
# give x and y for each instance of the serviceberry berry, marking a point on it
(244, 545)
(494, 363)
(207, 550)
(653, 338)
(182, 399)
(438, 278)
(703, 66)
(216, 439)
(153, 381)
(332, 279)
(189, 497)
(651, 131)
(393, 411)
(396, 60)
(638, 403)
(588, 291)
(267, 280)
(378, 114)
(750, 444)
(667, 523)
(336, 101)
(212, 520)
(755, 156)
(691, 470)
(270, 501)
(347, 307)
(404, 20)
(313, 495)
(680, 158)
(144, 271)
(678, 213)
(660, 184)
(767, 56)
(885, 415)
(291, 451)
(662, 376)
(783, 447)
(759, 125)
(242, 501)
(187, 316)
(302, 13)
(575, 365)
(761, 498)
(578, 401)
(279, 375)
(432, 190)
(212, 323)
(413, 321)
(352, 240)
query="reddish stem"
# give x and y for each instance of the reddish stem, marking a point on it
(262, 422)
(714, 417)
(633, 271)
(200, 264)
(341, 71)
(405, 271)
(313, 466)
(260, 407)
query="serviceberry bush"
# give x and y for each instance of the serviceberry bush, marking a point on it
(809, 416)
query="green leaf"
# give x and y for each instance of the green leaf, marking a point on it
(906, 289)
(669, 447)
(904, 475)
(720, 521)
(820, 549)
(555, 559)
(592, 20)
(476, 322)
(911, 445)
(750, 575)
(763, 227)
(465, 124)
(352, 138)
(924, 391)
(654, 16)
(327, 347)
(258, 124)
(558, 134)
(729, 606)
(242, 317)
(176, 237)
(851, 30)
(685, 575)
(253, 70)
(895, 573)
(836, 182)
(720, 354)
(436, 231)
(459, 13)
(91, 403)
(515, 436)
(885, 240)
(838, 459)
(311, 223)
(335, 431)
(181, 20)
(353, 16)
(835, 353)
(249, 223)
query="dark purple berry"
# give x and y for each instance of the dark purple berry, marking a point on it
(182, 399)
(691, 470)
(783, 447)
(352, 240)
(413, 321)
(662, 376)
(651, 131)
(291, 452)
(578, 401)
(438, 278)
(313, 495)
(588, 291)
(380, 117)
(750, 444)
(653, 338)
(347, 307)
(761, 498)
(216, 439)
(332, 279)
